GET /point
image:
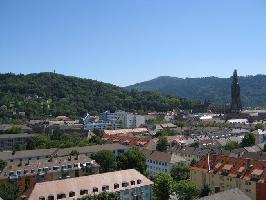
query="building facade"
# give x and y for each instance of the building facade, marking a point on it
(221, 173)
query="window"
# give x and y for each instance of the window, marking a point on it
(61, 196)
(138, 181)
(105, 187)
(132, 182)
(50, 197)
(116, 185)
(95, 189)
(41, 198)
(124, 184)
(82, 192)
(71, 194)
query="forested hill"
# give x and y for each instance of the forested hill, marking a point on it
(217, 90)
(45, 94)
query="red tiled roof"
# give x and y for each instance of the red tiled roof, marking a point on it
(247, 167)
(129, 140)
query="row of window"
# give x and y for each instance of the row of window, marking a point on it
(94, 190)
(156, 162)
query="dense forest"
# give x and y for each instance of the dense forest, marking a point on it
(217, 90)
(42, 95)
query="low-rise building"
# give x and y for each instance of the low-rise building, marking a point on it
(221, 173)
(133, 131)
(39, 154)
(27, 173)
(129, 184)
(260, 136)
(157, 161)
(11, 141)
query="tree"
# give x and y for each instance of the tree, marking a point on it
(163, 186)
(180, 172)
(14, 130)
(162, 144)
(106, 159)
(259, 126)
(186, 190)
(2, 164)
(133, 159)
(248, 140)
(10, 191)
(231, 145)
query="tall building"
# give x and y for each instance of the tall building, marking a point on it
(236, 106)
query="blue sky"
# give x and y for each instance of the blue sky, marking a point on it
(128, 41)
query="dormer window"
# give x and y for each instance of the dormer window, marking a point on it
(138, 181)
(124, 184)
(116, 185)
(71, 194)
(105, 188)
(132, 182)
(256, 174)
(41, 198)
(226, 169)
(95, 189)
(83, 192)
(61, 195)
(51, 197)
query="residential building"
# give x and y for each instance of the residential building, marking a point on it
(101, 125)
(157, 161)
(117, 149)
(40, 154)
(134, 141)
(27, 173)
(221, 173)
(11, 141)
(130, 120)
(133, 131)
(109, 116)
(130, 184)
(260, 136)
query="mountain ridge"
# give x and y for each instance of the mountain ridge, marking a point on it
(215, 89)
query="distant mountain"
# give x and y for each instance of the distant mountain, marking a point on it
(48, 94)
(217, 90)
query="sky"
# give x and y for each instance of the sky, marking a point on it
(128, 41)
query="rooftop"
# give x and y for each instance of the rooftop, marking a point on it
(163, 157)
(28, 167)
(235, 194)
(219, 164)
(90, 183)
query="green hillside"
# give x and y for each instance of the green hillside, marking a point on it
(48, 94)
(217, 90)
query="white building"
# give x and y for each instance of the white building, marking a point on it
(130, 184)
(101, 125)
(130, 120)
(260, 136)
(157, 161)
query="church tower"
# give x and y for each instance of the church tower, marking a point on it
(236, 106)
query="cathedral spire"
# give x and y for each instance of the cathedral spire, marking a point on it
(236, 106)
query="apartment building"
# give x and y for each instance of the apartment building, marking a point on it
(28, 173)
(130, 184)
(39, 154)
(157, 161)
(221, 173)
(10, 141)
